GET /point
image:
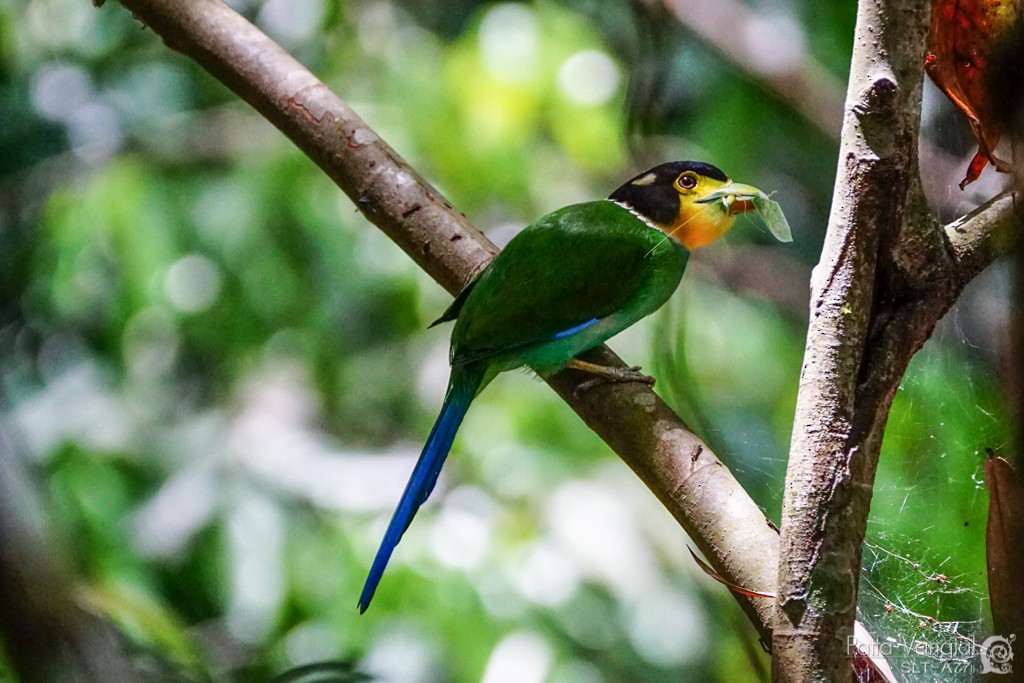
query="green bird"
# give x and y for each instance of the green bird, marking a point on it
(564, 285)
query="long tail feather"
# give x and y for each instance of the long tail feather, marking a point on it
(461, 390)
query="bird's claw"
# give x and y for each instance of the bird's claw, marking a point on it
(584, 387)
(633, 374)
(610, 374)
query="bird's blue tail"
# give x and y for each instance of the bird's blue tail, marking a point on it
(461, 389)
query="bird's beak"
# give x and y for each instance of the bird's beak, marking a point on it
(736, 197)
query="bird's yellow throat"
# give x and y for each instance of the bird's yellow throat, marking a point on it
(708, 210)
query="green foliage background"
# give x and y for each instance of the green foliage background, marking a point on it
(218, 374)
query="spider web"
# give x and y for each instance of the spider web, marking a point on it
(924, 595)
(900, 597)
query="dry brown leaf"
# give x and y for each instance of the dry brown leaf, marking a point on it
(1004, 545)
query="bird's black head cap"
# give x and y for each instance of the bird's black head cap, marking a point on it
(652, 194)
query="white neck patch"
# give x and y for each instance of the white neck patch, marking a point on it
(647, 221)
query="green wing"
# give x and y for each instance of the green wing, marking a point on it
(566, 271)
(452, 312)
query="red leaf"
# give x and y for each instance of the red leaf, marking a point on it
(963, 37)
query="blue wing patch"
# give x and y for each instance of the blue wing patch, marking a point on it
(472, 355)
(574, 330)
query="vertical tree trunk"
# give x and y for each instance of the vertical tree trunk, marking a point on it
(841, 413)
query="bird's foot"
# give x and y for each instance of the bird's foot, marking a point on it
(605, 374)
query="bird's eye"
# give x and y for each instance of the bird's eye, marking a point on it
(687, 181)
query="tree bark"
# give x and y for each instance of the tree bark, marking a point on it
(887, 273)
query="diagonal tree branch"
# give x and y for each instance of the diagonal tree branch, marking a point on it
(685, 475)
(697, 489)
(801, 81)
